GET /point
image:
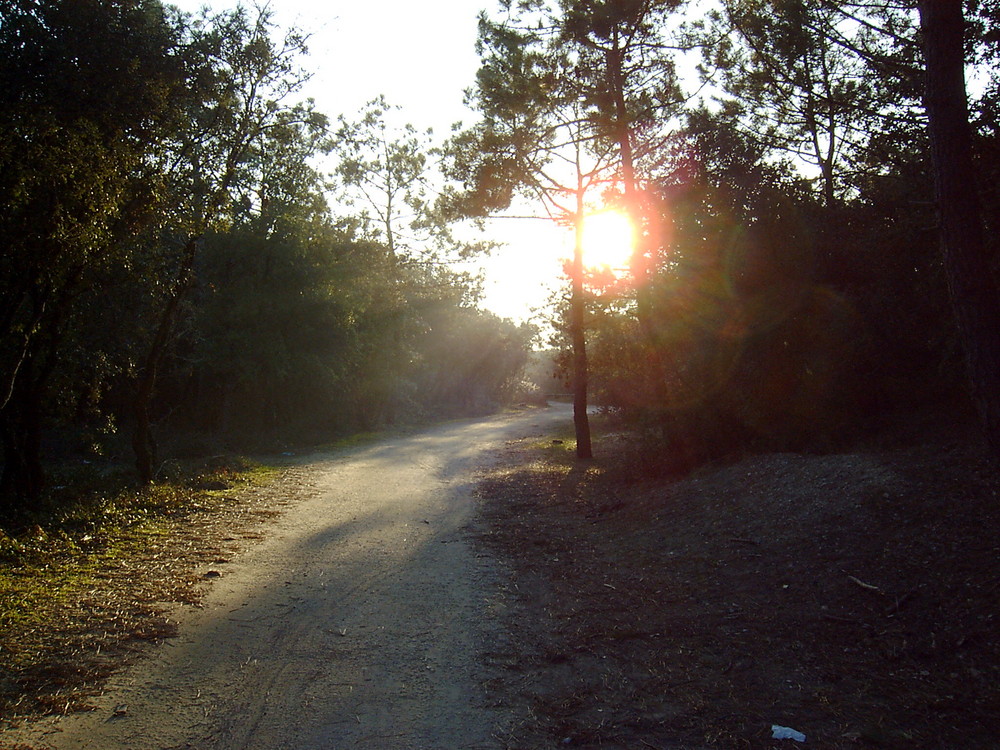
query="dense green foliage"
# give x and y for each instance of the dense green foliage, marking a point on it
(171, 269)
(789, 290)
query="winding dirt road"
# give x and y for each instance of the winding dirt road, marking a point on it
(357, 623)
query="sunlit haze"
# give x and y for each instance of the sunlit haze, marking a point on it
(608, 239)
(524, 274)
(422, 57)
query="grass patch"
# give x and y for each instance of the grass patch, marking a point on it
(76, 587)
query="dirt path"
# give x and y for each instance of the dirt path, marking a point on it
(358, 623)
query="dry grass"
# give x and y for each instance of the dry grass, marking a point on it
(89, 585)
(851, 597)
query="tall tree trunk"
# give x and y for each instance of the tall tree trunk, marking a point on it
(974, 292)
(22, 481)
(23, 478)
(8, 380)
(640, 263)
(581, 420)
(143, 443)
(38, 295)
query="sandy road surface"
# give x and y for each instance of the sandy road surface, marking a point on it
(357, 623)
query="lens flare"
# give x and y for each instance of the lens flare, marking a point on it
(608, 239)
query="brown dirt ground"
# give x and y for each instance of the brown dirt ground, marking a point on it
(852, 597)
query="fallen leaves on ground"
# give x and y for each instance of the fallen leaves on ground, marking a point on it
(852, 597)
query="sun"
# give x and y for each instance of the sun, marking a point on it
(608, 239)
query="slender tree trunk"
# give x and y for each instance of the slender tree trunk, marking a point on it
(23, 478)
(8, 380)
(581, 420)
(640, 263)
(143, 443)
(974, 293)
(39, 301)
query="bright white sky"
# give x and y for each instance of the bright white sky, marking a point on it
(421, 56)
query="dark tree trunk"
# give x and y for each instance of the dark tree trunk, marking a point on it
(143, 443)
(640, 263)
(643, 263)
(581, 420)
(974, 292)
(22, 481)
(23, 476)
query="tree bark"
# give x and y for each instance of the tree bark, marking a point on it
(581, 420)
(23, 478)
(640, 263)
(973, 289)
(643, 264)
(143, 443)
